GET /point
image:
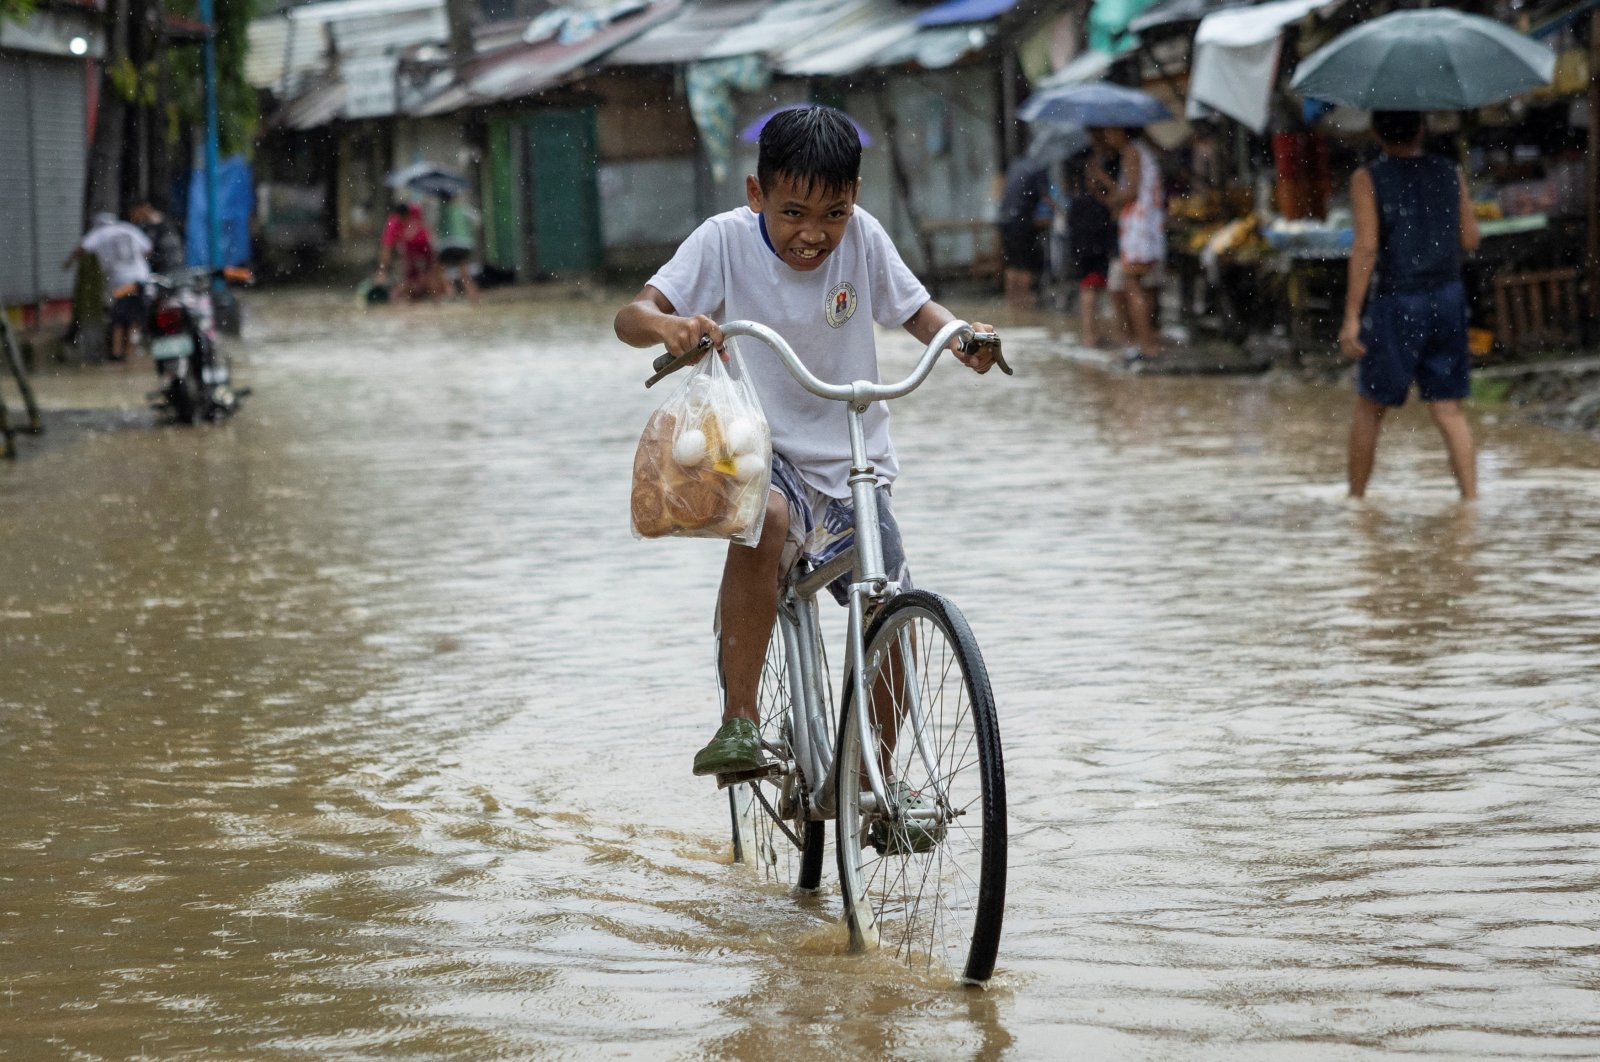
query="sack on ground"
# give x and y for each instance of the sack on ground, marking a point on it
(704, 463)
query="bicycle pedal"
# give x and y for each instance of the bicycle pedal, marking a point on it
(770, 770)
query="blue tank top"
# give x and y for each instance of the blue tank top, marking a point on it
(1419, 223)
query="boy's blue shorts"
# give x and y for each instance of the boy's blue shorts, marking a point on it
(821, 528)
(1419, 336)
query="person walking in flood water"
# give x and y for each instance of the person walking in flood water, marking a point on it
(1023, 198)
(1413, 220)
(806, 261)
(1137, 196)
(1091, 234)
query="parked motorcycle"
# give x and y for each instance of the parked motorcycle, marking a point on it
(196, 378)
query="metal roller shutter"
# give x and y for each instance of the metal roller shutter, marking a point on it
(60, 160)
(16, 177)
(43, 154)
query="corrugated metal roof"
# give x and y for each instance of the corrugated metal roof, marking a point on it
(810, 38)
(286, 50)
(317, 107)
(937, 48)
(778, 25)
(528, 69)
(685, 38)
(851, 42)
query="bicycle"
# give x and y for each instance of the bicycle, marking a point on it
(922, 861)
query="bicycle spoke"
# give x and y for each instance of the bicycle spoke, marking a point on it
(925, 875)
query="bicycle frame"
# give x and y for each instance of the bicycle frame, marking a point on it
(871, 586)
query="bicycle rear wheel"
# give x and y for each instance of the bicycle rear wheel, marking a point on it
(930, 885)
(770, 830)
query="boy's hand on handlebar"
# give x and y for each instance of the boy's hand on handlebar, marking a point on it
(682, 334)
(978, 357)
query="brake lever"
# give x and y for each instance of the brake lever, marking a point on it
(669, 363)
(988, 339)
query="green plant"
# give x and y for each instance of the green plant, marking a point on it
(237, 111)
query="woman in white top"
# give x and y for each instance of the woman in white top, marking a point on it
(1137, 198)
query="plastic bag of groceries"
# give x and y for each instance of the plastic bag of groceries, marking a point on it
(704, 463)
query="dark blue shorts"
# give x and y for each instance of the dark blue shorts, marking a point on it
(1419, 336)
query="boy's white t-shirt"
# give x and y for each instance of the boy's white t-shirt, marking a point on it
(727, 271)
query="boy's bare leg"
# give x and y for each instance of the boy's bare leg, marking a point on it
(749, 603)
(1452, 424)
(1365, 423)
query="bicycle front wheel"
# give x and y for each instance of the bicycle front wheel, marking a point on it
(926, 878)
(770, 827)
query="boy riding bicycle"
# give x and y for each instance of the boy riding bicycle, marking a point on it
(819, 270)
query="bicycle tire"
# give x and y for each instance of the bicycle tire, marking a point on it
(941, 908)
(758, 833)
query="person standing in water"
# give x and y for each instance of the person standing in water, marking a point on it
(1413, 220)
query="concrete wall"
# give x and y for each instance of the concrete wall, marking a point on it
(649, 167)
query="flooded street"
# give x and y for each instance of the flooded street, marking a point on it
(360, 726)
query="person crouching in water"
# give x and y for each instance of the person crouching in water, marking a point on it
(1413, 220)
(407, 233)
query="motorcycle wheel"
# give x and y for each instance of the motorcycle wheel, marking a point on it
(184, 394)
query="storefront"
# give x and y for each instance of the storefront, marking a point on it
(44, 136)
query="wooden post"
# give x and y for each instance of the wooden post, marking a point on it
(1594, 171)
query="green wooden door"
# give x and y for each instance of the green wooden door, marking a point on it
(564, 191)
(502, 198)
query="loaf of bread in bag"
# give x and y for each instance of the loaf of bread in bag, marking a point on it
(650, 463)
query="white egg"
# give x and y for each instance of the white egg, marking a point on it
(747, 467)
(743, 437)
(690, 448)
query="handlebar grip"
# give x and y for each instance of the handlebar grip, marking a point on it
(667, 364)
(992, 340)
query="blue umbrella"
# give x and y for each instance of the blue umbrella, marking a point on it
(1097, 104)
(1052, 143)
(1431, 60)
(428, 177)
(752, 132)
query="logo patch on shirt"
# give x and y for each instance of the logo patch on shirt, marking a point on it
(841, 304)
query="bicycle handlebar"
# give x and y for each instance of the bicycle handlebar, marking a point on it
(861, 393)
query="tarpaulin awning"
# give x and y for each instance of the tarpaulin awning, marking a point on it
(1178, 12)
(953, 12)
(1236, 55)
(1085, 67)
(1108, 23)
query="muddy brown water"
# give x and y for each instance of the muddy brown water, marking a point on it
(359, 727)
